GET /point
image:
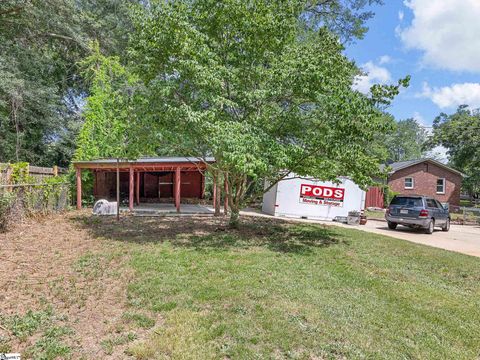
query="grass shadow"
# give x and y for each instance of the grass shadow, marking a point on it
(206, 233)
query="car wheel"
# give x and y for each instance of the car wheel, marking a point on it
(392, 225)
(446, 227)
(431, 226)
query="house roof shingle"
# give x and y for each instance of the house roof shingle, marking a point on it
(405, 164)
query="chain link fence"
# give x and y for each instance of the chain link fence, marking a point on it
(465, 215)
(26, 200)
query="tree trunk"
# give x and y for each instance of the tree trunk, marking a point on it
(236, 191)
(234, 218)
(217, 200)
(17, 128)
(216, 189)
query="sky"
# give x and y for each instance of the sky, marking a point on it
(436, 42)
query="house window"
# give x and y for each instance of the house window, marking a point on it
(408, 183)
(441, 186)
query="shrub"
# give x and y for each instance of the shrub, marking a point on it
(388, 195)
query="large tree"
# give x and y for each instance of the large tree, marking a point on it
(41, 91)
(460, 134)
(346, 18)
(41, 41)
(110, 129)
(407, 142)
(254, 85)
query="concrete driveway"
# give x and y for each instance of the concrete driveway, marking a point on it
(464, 239)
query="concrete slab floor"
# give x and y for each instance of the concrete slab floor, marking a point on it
(156, 209)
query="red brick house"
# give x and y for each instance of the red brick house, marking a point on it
(426, 177)
(421, 177)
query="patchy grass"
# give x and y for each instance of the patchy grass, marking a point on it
(48, 330)
(24, 326)
(50, 345)
(122, 339)
(140, 320)
(190, 288)
(283, 290)
(185, 335)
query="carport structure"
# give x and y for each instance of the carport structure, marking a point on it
(156, 179)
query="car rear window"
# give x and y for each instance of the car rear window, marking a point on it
(407, 201)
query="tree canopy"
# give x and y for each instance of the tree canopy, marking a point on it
(109, 129)
(41, 90)
(346, 18)
(407, 142)
(252, 85)
(460, 134)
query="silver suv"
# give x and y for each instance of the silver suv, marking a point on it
(417, 211)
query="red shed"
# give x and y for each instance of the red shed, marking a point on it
(161, 179)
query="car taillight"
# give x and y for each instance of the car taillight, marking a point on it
(423, 213)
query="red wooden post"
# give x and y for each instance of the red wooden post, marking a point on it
(202, 191)
(79, 188)
(95, 183)
(137, 188)
(177, 188)
(130, 190)
(225, 203)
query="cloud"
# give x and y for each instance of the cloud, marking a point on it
(454, 95)
(401, 15)
(385, 59)
(375, 74)
(447, 31)
(419, 118)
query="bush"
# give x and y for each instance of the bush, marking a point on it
(388, 195)
(33, 200)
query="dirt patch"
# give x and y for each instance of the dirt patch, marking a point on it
(56, 264)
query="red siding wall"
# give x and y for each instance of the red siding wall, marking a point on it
(104, 186)
(165, 183)
(192, 184)
(150, 186)
(425, 177)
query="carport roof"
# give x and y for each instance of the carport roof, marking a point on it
(164, 163)
(146, 160)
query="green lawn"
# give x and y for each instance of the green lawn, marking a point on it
(295, 291)
(375, 214)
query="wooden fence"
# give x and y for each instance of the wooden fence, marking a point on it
(374, 198)
(37, 172)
